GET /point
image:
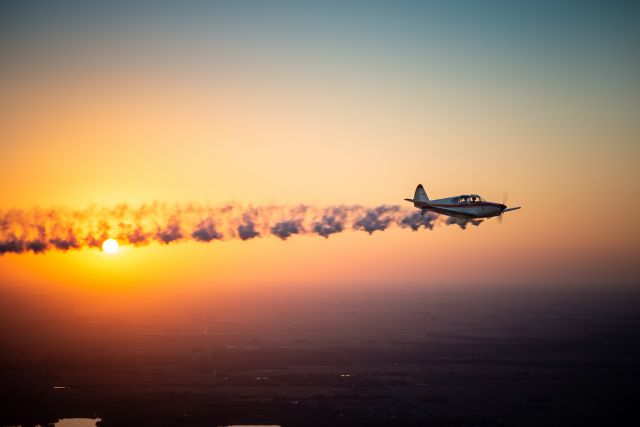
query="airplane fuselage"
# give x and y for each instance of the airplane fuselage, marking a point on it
(449, 206)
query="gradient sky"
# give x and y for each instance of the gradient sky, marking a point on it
(329, 103)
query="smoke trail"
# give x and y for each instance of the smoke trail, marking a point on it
(41, 230)
(462, 222)
(285, 229)
(206, 231)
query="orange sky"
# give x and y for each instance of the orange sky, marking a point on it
(103, 121)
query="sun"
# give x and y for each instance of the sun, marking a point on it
(110, 246)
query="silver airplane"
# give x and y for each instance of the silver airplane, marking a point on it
(463, 206)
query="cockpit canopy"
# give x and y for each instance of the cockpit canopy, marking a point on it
(468, 198)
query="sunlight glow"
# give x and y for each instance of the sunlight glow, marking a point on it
(110, 246)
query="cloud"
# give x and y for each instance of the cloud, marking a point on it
(170, 233)
(38, 230)
(247, 230)
(206, 231)
(286, 228)
(138, 237)
(12, 245)
(416, 220)
(375, 219)
(328, 225)
(462, 222)
(36, 246)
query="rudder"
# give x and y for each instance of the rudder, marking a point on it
(420, 195)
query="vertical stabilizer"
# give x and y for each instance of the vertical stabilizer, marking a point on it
(420, 195)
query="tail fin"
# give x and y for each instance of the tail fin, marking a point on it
(420, 195)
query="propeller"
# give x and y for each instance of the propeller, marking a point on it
(505, 197)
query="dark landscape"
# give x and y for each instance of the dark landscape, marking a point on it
(455, 357)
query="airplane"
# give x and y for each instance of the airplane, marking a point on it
(464, 206)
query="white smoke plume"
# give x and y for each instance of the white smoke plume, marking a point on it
(40, 230)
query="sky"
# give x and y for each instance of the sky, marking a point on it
(324, 104)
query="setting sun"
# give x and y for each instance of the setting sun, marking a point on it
(110, 246)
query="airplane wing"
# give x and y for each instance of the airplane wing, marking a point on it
(511, 209)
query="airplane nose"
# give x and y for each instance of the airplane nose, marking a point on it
(502, 207)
